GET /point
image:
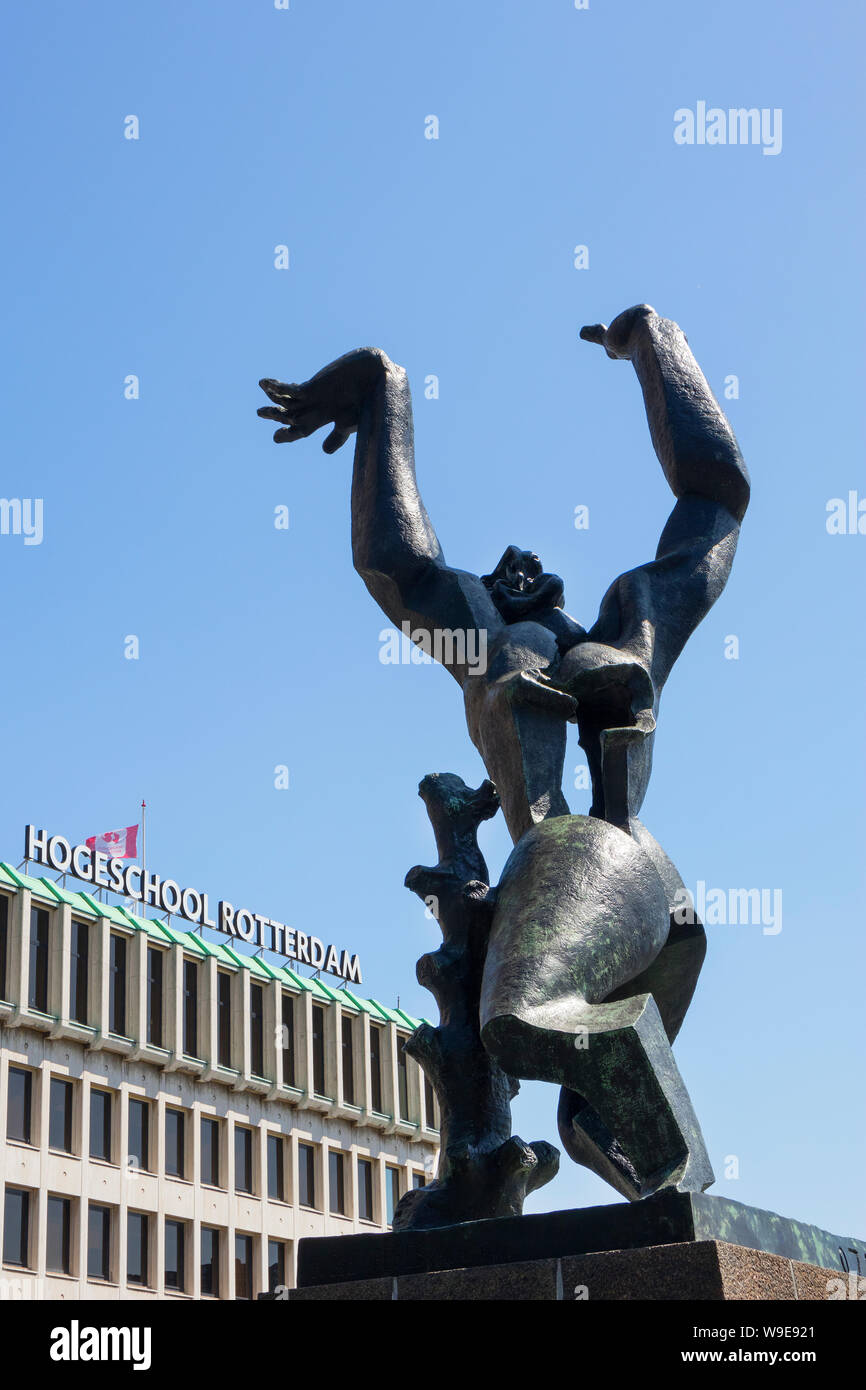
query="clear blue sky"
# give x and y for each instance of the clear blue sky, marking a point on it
(155, 257)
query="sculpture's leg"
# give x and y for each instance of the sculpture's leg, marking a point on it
(519, 727)
(618, 1057)
(581, 913)
(671, 980)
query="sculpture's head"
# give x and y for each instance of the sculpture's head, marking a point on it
(519, 587)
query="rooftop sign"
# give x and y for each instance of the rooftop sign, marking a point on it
(100, 870)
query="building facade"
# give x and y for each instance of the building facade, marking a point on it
(175, 1114)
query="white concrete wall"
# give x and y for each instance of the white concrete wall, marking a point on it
(90, 1057)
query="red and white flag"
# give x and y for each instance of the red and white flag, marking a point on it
(118, 844)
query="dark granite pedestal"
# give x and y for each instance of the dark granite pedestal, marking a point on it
(704, 1270)
(671, 1246)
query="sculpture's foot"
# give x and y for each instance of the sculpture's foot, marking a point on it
(636, 1127)
(588, 1141)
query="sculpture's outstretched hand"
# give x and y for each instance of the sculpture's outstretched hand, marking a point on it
(332, 397)
(301, 410)
(618, 339)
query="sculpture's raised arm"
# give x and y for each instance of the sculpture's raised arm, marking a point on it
(693, 440)
(365, 392)
(652, 610)
(394, 547)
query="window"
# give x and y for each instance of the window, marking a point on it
(257, 1030)
(319, 1049)
(376, 1067)
(306, 1175)
(276, 1265)
(392, 1191)
(19, 1108)
(336, 1182)
(100, 1125)
(98, 1242)
(190, 1008)
(210, 1262)
(38, 994)
(276, 1186)
(348, 1051)
(210, 1151)
(139, 1133)
(175, 1166)
(16, 1227)
(174, 1271)
(117, 986)
(288, 1040)
(58, 1224)
(224, 1018)
(243, 1159)
(429, 1104)
(418, 1180)
(78, 971)
(60, 1115)
(402, 1078)
(243, 1266)
(154, 995)
(4, 942)
(365, 1189)
(137, 1235)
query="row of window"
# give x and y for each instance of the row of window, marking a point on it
(63, 1138)
(18, 1245)
(62, 1134)
(338, 1169)
(79, 1012)
(118, 1021)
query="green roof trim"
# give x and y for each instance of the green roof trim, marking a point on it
(79, 904)
(321, 990)
(363, 1004)
(255, 965)
(331, 993)
(99, 909)
(379, 1010)
(191, 941)
(412, 1022)
(297, 980)
(156, 930)
(35, 885)
(73, 900)
(13, 875)
(117, 915)
(273, 971)
(302, 982)
(226, 957)
(208, 946)
(6, 877)
(392, 1015)
(248, 962)
(186, 939)
(153, 929)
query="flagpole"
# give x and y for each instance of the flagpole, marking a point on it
(143, 852)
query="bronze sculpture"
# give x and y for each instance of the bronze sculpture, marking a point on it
(574, 968)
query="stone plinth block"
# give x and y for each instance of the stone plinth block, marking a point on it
(704, 1270)
(669, 1218)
